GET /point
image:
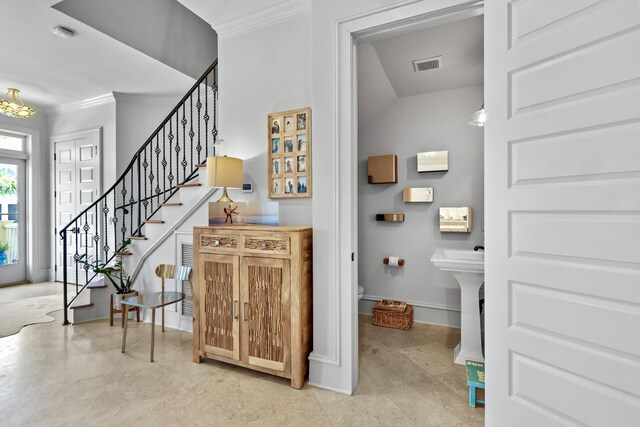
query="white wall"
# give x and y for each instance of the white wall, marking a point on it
(261, 72)
(39, 233)
(429, 122)
(75, 119)
(137, 116)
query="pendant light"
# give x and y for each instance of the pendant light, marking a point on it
(12, 105)
(478, 118)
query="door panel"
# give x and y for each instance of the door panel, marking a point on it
(266, 314)
(13, 264)
(220, 304)
(77, 174)
(562, 212)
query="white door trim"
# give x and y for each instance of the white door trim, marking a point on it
(38, 266)
(405, 17)
(53, 141)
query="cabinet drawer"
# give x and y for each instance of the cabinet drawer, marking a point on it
(218, 243)
(267, 244)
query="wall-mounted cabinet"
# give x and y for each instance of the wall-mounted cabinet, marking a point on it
(252, 298)
(382, 169)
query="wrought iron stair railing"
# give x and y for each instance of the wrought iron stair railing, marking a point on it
(168, 160)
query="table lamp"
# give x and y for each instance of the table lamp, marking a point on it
(224, 172)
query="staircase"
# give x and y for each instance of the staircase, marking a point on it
(158, 191)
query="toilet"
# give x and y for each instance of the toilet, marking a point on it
(360, 292)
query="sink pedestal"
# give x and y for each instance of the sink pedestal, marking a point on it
(468, 268)
(470, 347)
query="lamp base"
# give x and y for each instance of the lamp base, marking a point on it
(225, 197)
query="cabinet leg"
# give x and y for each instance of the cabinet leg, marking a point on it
(297, 380)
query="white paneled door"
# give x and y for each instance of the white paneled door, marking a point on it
(77, 186)
(562, 188)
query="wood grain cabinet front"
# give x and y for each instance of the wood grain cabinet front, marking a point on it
(254, 306)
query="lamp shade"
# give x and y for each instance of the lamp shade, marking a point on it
(478, 118)
(224, 172)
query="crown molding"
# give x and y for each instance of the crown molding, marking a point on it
(86, 103)
(262, 18)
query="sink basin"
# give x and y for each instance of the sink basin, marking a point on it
(462, 260)
(467, 266)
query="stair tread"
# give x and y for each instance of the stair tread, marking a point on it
(81, 305)
(138, 238)
(201, 165)
(154, 221)
(171, 204)
(123, 253)
(195, 184)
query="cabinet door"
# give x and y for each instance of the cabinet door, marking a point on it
(266, 335)
(220, 304)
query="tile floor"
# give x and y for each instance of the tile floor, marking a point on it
(52, 375)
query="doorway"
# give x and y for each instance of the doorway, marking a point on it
(77, 172)
(13, 259)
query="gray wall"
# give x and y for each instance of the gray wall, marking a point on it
(429, 122)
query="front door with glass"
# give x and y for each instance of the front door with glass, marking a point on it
(13, 266)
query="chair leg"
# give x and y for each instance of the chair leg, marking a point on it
(472, 396)
(138, 314)
(153, 331)
(111, 310)
(125, 310)
(163, 318)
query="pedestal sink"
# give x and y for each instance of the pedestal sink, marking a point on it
(467, 266)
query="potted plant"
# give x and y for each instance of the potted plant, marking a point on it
(4, 247)
(116, 274)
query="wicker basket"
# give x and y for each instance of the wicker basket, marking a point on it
(393, 319)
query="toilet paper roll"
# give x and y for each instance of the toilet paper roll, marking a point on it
(394, 261)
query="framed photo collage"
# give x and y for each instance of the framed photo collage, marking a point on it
(289, 148)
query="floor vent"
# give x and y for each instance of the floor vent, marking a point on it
(427, 64)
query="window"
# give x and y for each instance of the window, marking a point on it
(13, 143)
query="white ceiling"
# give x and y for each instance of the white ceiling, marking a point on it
(460, 43)
(50, 70)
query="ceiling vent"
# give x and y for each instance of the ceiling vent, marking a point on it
(427, 64)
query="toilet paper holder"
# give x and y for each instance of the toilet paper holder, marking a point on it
(400, 262)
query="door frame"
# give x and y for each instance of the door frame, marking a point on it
(38, 262)
(52, 176)
(396, 19)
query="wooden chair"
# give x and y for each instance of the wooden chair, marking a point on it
(177, 272)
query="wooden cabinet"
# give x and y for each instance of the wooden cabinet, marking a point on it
(252, 298)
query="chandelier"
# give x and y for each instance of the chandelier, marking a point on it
(12, 105)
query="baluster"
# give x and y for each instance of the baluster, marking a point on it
(164, 163)
(76, 257)
(96, 237)
(132, 201)
(139, 195)
(151, 176)
(86, 228)
(170, 177)
(214, 131)
(199, 146)
(105, 211)
(184, 142)
(124, 209)
(206, 115)
(191, 133)
(177, 151)
(145, 165)
(158, 168)
(115, 220)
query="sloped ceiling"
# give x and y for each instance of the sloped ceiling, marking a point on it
(50, 70)
(461, 45)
